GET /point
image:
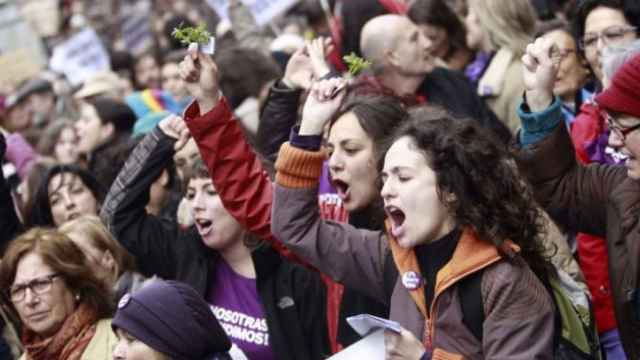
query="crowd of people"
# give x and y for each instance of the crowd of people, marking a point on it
(468, 169)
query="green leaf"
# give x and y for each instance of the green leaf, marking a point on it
(188, 35)
(355, 63)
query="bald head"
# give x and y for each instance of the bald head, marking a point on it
(380, 34)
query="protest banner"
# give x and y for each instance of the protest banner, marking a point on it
(263, 10)
(80, 57)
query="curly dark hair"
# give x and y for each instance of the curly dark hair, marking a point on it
(490, 196)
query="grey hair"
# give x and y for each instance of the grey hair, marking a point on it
(613, 57)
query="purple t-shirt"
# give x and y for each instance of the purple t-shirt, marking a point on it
(235, 303)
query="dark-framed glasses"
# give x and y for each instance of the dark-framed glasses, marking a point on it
(610, 35)
(38, 286)
(619, 131)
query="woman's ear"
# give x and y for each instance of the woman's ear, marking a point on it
(391, 58)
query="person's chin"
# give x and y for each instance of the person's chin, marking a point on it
(350, 205)
(405, 241)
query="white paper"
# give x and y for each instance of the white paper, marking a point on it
(80, 57)
(364, 324)
(370, 347)
(210, 47)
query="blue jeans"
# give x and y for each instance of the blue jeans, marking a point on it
(611, 345)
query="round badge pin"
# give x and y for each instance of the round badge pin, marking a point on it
(411, 280)
(124, 301)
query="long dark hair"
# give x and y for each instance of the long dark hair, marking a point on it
(490, 196)
(378, 116)
(438, 13)
(38, 213)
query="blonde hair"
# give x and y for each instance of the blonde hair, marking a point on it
(92, 228)
(507, 23)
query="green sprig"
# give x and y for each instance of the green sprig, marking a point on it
(355, 63)
(188, 35)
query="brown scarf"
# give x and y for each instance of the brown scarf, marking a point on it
(68, 343)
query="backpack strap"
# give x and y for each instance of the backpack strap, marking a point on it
(470, 293)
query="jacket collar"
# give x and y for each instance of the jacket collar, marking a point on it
(471, 254)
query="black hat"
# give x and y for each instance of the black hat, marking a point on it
(33, 86)
(172, 318)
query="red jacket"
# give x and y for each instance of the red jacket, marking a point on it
(244, 186)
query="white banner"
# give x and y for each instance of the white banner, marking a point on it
(263, 10)
(80, 57)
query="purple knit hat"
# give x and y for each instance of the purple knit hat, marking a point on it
(172, 318)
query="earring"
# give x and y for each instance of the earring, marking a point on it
(77, 297)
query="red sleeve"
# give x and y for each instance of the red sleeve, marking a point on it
(245, 188)
(237, 174)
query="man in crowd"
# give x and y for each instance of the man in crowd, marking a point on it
(403, 63)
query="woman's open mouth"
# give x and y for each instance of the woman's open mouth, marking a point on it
(204, 226)
(342, 188)
(397, 218)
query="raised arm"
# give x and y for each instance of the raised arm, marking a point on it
(351, 256)
(237, 174)
(280, 111)
(575, 196)
(151, 240)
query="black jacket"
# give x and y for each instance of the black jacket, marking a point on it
(296, 330)
(10, 225)
(452, 91)
(277, 117)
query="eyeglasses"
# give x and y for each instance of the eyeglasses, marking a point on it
(38, 286)
(558, 54)
(610, 35)
(617, 130)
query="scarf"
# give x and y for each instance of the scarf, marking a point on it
(69, 342)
